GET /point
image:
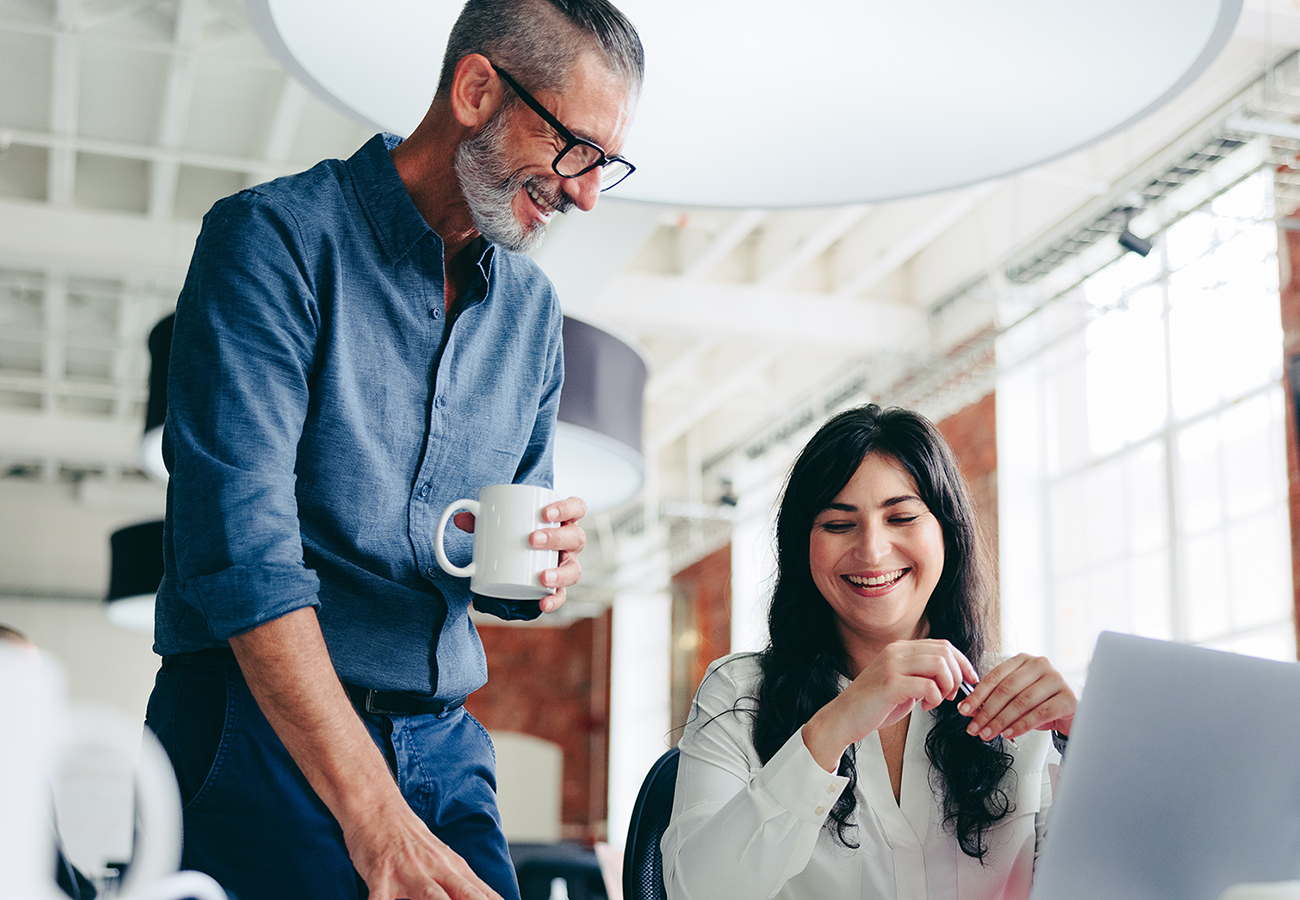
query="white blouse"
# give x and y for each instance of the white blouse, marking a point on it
(744, 830)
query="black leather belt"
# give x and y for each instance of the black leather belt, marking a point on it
(384, 703)
(396, 703)
(213, 656)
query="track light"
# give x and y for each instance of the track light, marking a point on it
(1130, 241)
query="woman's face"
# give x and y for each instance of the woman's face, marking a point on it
(876, 554)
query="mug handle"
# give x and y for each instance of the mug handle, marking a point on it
(157, 853)
(195, 885)
(462, 571)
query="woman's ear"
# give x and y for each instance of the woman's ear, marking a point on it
(475, 91)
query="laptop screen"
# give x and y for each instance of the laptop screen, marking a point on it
(1182, 776)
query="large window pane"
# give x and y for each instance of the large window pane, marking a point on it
(1224, 324)
(1126, 373)
(1171, 381)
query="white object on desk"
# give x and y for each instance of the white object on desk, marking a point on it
(1274, 890)
(37, 730)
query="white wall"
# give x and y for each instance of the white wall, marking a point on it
(54, 569)
(104, 664)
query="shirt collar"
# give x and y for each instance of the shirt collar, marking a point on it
(389, 208)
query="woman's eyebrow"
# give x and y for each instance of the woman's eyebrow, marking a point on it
(892, 501)
(905, 498)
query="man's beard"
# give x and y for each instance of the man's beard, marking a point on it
(490, 186)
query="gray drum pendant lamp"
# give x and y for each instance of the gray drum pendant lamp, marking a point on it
(598, 453)
(137, 551)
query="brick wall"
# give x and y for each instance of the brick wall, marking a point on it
(701, 628)
(553, 683)
(972, 433)
(1288, 251)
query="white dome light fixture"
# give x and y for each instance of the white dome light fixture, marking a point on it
(826, 102)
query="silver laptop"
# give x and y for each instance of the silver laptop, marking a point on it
(1182, 776)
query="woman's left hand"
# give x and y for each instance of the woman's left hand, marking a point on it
(1020, 695)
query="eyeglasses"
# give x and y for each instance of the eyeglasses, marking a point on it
(579, 155)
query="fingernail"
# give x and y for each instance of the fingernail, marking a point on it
(972, 729)
(548, 578)
(552, 514)
(964, 709)
(986, 734)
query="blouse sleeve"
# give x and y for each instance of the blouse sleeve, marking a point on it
(740, 829)
(1051, 771)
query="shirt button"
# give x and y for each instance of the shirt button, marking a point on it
(830, 788)
(819, 811)
(440, 402)
(435, 314)
(429, 571)
(424, 491)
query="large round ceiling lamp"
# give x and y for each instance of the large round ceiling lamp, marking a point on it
(772, 104)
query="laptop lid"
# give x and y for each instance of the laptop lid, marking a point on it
(1182, 776)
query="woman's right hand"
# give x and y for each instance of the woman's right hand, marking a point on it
(901, 675)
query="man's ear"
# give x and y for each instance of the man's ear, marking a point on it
(475, 91)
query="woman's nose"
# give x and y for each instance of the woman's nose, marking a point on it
(875, 544)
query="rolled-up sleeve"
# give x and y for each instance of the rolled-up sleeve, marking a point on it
(237, 394)
(740, 828)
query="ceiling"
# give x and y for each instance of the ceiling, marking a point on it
(121, 121)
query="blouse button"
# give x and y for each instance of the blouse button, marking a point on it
(819, 811)
(830, 788)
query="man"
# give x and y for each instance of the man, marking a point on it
(355, 347)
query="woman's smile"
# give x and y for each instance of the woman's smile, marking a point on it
(876, 553)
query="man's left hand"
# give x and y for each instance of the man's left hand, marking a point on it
(569, 539)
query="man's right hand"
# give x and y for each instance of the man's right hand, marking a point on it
(288, 669)
(400, 859)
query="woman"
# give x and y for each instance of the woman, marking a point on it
(842, 761)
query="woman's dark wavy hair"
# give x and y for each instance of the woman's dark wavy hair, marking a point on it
(803, 662)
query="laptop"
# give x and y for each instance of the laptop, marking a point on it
(1182, 776)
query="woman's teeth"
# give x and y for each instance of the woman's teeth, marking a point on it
(876, 580)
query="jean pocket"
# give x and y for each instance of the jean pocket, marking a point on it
(206, 711)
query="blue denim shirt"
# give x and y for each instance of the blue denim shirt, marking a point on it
(322, 411)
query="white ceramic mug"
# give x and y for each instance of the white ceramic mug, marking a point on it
(37, 731)
(505, 565)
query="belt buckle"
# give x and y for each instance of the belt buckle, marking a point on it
(372, 707)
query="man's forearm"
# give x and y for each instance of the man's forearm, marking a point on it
(288, 670)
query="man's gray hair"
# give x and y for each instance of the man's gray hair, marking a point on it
(539, 41)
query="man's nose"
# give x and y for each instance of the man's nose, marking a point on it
(584, 190)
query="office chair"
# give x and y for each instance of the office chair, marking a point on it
(643, 863)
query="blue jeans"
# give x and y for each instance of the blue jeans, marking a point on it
(253, 822)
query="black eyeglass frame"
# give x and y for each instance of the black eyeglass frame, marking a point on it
(571, 139)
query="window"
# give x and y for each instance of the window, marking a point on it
(1142, 448)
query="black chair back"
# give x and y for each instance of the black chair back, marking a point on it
(643, 863)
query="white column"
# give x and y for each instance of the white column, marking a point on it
(639, 689)
(1022, 516)
(753, 565)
